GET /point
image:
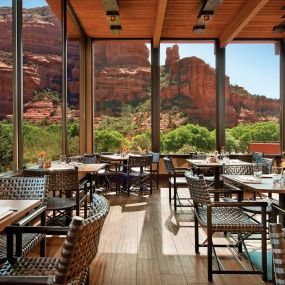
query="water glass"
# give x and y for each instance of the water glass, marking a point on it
(277, 173)
(62, 158)
(257, 171)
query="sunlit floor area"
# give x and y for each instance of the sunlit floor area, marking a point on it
(144, 242)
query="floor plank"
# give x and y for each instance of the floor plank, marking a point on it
(143, 242)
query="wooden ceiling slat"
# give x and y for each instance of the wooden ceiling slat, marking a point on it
(246, 14)
(161, 8)
(139, 19)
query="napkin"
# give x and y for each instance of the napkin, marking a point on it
(248, 179)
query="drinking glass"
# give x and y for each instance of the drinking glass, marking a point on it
(257, 171)
(62, 158)
(277, 173)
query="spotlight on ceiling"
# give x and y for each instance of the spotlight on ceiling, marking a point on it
(279, 29)
(206, 16)
(116, 30)
(113, 18)
(199, 29)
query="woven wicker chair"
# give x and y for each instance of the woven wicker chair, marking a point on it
(137, 177)
(224, 217)
(175, 180)
(24, 189)
(278, 252)
(64, 194)
(80, 248)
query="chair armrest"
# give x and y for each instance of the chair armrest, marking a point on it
(225, 191)
(30, 217)
(29, 280)
(37, 230)
(238, 204)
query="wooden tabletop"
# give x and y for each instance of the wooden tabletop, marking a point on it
(266, 185)
(82, 168)
(205, 163)
(118, 157)
(91, 168)
(22, 206)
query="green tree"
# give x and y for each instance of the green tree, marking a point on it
(193, 135)
(6, 146)
(108, 141)
(142, 140)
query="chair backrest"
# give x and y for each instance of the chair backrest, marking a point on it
(256, 157)
(81, 243)
(169, 165)
(24, 188)
(139, 161)
(278, 252)
(88, 158)
(233, 169)
(198, 189)
(155, 157)
(62, 182)
(104, 159)
(199, 156)
(267, 164)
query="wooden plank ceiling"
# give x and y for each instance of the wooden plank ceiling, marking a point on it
(139, 19)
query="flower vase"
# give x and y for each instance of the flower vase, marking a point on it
(41, 162)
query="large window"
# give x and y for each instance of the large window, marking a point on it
(73, 86)
(252, 97)
(122, 95)
(6, 71)
(188, 97)
(42, 81)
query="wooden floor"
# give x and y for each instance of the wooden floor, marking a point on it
(143, 242)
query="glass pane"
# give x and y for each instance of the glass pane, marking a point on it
(6, 86)
(122, 96)
(73, 86)
(188, 98)
(252, 98)
(42, 80)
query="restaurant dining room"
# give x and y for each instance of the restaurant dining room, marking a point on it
(142, 142)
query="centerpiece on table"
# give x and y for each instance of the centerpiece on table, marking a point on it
(41, 159)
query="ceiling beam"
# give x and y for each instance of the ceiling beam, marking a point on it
(246, 14)
(161, 7)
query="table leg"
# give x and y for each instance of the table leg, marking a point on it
(282, 205)
(216, 182)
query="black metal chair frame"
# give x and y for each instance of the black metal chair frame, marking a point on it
(201, 200)
(137, 176)
(176, 179)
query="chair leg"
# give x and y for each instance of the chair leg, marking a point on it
(196, 234)
(150, 184)
(169, 192)
(264, 255)
(240, 243)
(210, 249)
(175, 198)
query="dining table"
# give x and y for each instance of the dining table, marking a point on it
(13, 210)
(265, 185)
(217, 166)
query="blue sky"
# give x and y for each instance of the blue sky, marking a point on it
(252, 66)
(26, 3)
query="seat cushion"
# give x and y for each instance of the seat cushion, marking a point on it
(228, 219)
(57, 203)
